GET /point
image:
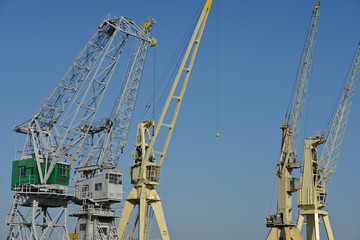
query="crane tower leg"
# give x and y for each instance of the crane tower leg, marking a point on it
(284, 233)
(143, 207)
(300, 222)
(125, 218)
(143, 195)
(312, 226)
(160, 218)
(328, 227)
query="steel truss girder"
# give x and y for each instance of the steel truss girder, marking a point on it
(290, 133)
(60, 127)
(108, 147)
(36, 222)
(331, 151)
(145, 171)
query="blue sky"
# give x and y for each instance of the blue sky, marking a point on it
(209, 190)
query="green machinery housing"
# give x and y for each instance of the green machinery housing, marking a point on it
(26, 172)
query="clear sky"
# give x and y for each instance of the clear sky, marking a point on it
(209, 191)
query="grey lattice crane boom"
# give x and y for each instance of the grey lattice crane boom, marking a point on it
(318, 172)
(145, 171)
(281, 224)
(98, 184)
(57, 132)
(106, 151)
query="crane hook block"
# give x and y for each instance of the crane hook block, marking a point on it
(217, 136)
(153, 42)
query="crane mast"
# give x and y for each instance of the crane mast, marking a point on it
(281, 224)
(56, 133)
(318, 172)
(145, 172)
(98, 184)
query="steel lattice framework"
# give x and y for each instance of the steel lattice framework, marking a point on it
(106, 151)
(318, 172)
(97, 167)
(281, 224)
(299, 96)
(331, 151)
(145, 172)
(61, 125)
(57, 132)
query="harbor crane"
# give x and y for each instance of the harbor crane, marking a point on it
(56, 133)
(147, 162)
(318, 172)
(281, 224)
(99, 184)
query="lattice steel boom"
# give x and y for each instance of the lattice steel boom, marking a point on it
(145, 172)
(61, 125)
(331, 152)
(318, 172)
(281, 224)
(106, 151)
(98, 185)
(57, 132)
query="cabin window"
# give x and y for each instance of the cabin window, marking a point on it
(22, 171)
(115, 178)
(64, 170)
(82, 227)
(98, 186)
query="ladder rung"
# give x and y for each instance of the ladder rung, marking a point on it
(160, 153)
(166, 125)
(99, 82)
(87, 107)
(176, 97)
(187, 69)
(113, 58)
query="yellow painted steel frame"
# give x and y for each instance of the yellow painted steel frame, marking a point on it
(144, 194)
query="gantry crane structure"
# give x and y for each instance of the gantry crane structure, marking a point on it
(145, 171)
(318, 172)
(281, 224)
(98, 184)
(55, 135)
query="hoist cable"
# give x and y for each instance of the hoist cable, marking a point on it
(217, 72)
(154, 87)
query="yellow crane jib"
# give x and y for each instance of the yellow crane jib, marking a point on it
(147, 162)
